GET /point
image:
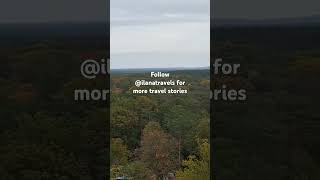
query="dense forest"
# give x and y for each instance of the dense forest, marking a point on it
(160, 136)
(44, 132)
(274, 134)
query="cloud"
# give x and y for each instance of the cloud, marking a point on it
(126, 12)
(182, 37)
(153, 33)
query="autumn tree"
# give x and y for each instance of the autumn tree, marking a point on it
(196, 168)
(158, 150)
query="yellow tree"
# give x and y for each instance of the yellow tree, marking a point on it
(196, 168)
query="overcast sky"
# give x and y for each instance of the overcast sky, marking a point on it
(53, 11)
(160, 34)
(97, 10)
(154, 33)
(264, 9)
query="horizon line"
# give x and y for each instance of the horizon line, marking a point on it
(196, 67)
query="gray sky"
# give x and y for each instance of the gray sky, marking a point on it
(97, 10)
(262, 9)
(53, 11)
(154, 33)
(175, 33)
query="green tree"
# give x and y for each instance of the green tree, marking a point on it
(124, 124)
(180, 122)
(203, 128)
(137, 170)
(119, 152)
(146, 109)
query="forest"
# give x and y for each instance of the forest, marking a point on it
(274, 134)
(160, 136)
(44, 132)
